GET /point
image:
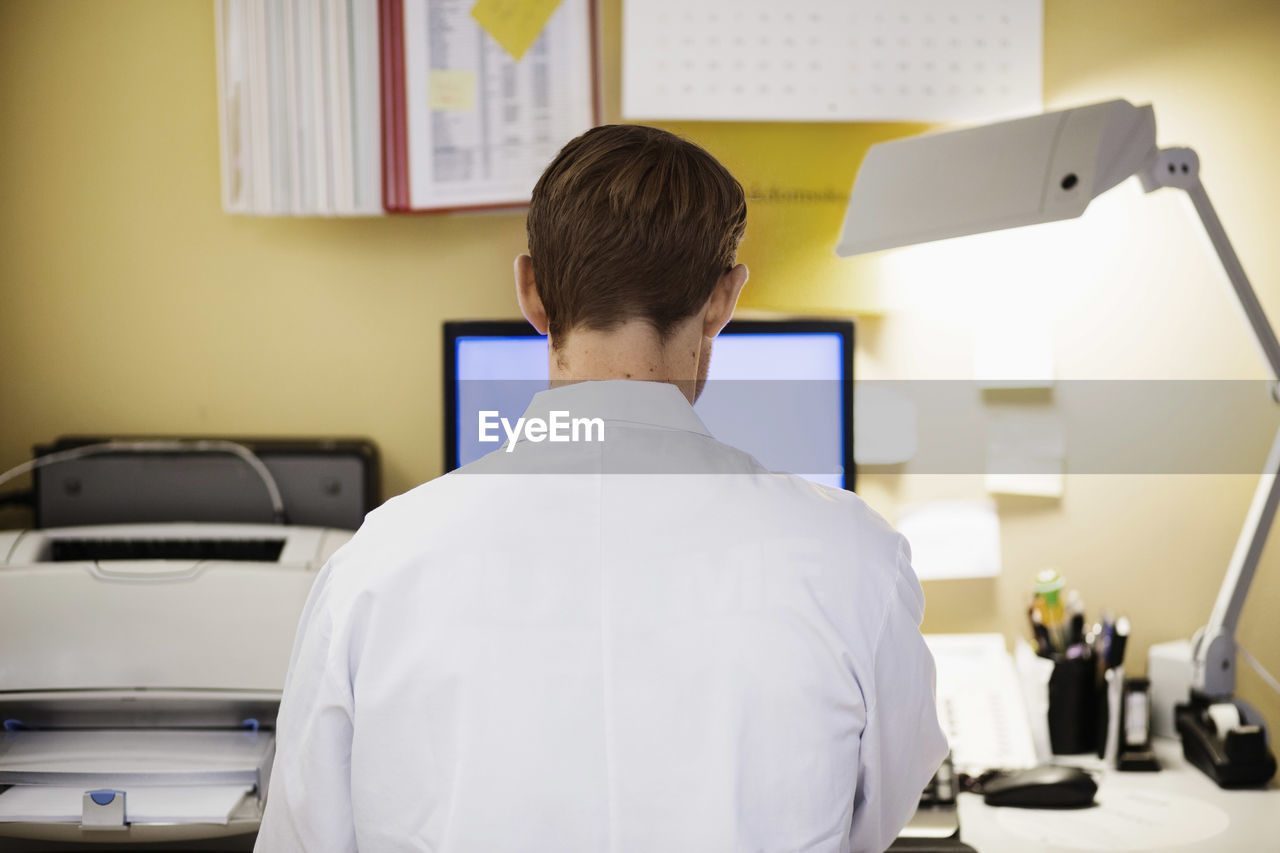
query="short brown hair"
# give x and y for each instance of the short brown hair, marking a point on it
(632, 222)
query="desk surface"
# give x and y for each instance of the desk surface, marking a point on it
(1178, 808)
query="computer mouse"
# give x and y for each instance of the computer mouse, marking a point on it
(1045, 787)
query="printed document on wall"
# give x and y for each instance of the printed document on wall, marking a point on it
(832, 60)
(482, 126)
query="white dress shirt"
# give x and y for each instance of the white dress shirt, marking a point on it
(647, 643)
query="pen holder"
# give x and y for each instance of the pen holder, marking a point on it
(1073, 706)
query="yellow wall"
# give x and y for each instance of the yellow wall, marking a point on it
(131, 303)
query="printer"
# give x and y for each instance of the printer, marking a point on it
(141, 669)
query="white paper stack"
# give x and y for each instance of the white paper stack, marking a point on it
(299, 107)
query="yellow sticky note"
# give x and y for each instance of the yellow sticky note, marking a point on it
(514, 24)
(452, 91)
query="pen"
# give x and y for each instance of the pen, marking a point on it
(1102, 644)
(1043, 646)
(1119, 638)
(1075, 607)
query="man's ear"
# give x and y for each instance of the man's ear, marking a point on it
(724, 298)
(527, 295)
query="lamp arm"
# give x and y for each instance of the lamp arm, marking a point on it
(1213, 649)
(1262, 331)
(1180, 168)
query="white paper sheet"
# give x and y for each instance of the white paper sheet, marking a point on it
(194, 804)
(953, 539)
(1026, 451)
(884, 425)
(980, 703)
(831, 60)
(1033, 678)
(1013, 348)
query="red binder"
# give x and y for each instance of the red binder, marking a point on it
(395, 168)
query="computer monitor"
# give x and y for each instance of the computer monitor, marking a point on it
(780, 390)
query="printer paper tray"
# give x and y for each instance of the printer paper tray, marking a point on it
(120, 757)
(136, 758)
(237, 834)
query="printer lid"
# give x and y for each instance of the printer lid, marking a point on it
(149, 631)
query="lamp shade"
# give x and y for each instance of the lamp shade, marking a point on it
(1003, 175)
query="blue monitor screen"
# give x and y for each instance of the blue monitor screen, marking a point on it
(779, 390)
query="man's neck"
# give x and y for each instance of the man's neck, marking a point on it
(630, 351)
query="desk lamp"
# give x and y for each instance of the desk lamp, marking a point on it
(1046, 168)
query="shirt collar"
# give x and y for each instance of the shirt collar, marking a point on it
(657, 404)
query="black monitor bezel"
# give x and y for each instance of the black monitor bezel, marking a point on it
(454, 329)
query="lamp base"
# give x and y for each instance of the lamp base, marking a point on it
(1231, 753)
